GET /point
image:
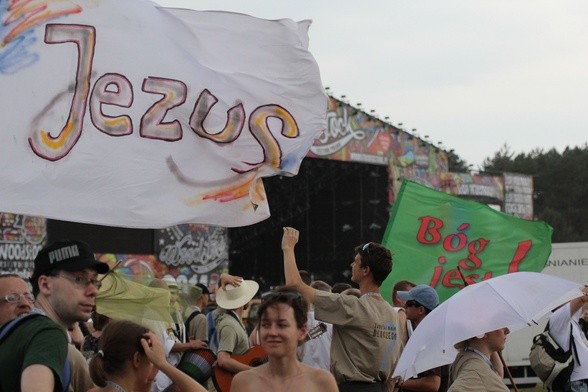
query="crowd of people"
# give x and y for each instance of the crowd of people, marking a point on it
(313, 336)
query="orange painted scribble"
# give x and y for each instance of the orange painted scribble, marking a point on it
(232, 192)
(247, 185)
(33, 13)
(257, 192)
(59, 142)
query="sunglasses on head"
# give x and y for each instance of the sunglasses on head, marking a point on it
(366, 248)
(411, 303)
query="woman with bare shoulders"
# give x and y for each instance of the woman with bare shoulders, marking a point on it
(129, 358)
(282, 327)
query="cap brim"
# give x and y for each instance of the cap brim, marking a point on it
(99, 266)
(404, 295)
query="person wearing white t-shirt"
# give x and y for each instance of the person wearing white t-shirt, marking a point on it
(317, 352)
(559, 328)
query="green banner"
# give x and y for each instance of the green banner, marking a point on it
(431, 233)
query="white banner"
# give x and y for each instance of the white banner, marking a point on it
(122, 113)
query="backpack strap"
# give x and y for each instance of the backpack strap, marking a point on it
(233, 315)
(66, 374)
(575, 356)
(212, 334)
(573, 348)
(190, 318)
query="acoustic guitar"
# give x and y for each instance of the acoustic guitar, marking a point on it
(255, 356)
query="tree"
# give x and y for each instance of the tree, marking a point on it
(455, 163)
(560, 186)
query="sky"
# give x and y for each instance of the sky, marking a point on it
(472, 74)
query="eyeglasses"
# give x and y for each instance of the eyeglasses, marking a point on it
(411, 303)
(15, 298)
(81, 281)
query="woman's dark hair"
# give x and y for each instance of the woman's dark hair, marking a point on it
(120, 340)
(289, 296)
(99, 321)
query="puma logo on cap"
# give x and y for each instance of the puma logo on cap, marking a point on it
(61, 254)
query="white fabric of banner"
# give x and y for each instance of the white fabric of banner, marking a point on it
(124, 113)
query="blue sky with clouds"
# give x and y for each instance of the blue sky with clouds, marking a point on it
(472, 74)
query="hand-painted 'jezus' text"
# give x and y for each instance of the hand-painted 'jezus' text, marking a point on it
(457, 245)
(115, 89)
(136, 115)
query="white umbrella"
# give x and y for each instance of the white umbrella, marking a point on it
(513, 300)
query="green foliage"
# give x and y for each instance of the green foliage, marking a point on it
(560, 184)
(456, 164)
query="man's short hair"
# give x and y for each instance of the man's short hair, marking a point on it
(321, 285)
(401, 285)
(339, 287)
(378, 258)
(306, 278)
(10, 276)
(203, 288)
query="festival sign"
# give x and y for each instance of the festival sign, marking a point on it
(473, 185)
(352, 136)
(194, 253)
(124, 113)
(431, 234)
(21, 238)
(518, 195)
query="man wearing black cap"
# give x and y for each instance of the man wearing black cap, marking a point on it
(196, 323)
(65, 284)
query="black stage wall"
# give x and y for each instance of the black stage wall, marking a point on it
(335, 205)
(104, 239)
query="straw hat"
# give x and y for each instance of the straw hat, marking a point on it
(235, 297)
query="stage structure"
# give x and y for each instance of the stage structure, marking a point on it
(342, 195)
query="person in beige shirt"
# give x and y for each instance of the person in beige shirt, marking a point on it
(477, 367)
(196, 322)
(368, 334)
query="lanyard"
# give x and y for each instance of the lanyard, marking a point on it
(482, 355)
(114, 385)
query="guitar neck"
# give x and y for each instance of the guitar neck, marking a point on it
(315, 332)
